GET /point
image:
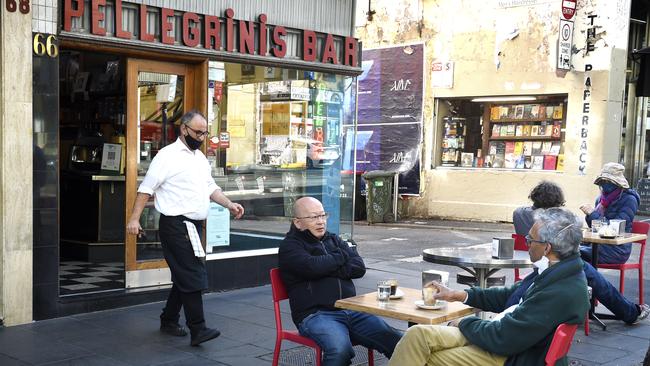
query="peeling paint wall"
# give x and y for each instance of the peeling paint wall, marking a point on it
(499, 49)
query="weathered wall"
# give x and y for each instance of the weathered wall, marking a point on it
(15, 167)
(503, 50)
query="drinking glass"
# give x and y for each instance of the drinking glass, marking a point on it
(596, 225)
(393, 286)
(383, 290)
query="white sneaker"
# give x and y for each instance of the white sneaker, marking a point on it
(644, 311)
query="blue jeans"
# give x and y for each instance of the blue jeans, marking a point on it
(607, 253)
(334, 331)
(609, 296)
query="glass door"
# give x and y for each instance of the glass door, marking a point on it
(158, 95)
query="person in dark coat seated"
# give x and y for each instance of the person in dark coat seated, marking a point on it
(317, 268)
(522, 331)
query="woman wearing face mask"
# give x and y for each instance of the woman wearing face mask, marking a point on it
(616, 201)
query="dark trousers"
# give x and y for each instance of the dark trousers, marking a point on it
(192, 306)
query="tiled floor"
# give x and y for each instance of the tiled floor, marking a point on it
(80, 277)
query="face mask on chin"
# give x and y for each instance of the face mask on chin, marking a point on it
(542, 264)
(608, 187)
(192, 143)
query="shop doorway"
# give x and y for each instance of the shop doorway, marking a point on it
(116, 114)
(158, 94)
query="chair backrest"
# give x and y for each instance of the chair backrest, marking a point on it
(640, 227)
(561, 343)
(279, 294)
(520, 242)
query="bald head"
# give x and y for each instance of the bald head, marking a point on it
(306, 205)
(309, 214)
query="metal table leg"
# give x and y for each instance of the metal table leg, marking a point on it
(592, 309)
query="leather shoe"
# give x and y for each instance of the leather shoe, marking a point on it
(173, 329)
(204, 335)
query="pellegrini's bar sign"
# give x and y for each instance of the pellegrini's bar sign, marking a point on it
(198, 27)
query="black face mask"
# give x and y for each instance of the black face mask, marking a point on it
(192, 143)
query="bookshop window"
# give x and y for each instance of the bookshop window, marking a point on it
(515, 135)
(277, 135)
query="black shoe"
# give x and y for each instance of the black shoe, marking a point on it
(204, 335)
(173, 329)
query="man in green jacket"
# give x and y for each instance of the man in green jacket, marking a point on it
(522, 331)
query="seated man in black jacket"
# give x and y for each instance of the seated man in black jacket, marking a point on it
(317, 268)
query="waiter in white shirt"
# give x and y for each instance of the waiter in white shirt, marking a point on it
(180, 177)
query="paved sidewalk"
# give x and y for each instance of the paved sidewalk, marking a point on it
(130, 336)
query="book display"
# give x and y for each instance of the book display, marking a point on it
(453, 142)
(525, 136)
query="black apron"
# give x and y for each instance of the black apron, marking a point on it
(188, 270)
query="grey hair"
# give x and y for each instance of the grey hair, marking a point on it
(561, 228)
(187, 117)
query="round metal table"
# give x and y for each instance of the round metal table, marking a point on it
(476, 260)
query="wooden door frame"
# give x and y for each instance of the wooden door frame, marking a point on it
(195, 94)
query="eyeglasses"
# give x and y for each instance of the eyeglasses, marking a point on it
(530, 240)
(316, 217)
(198, 133)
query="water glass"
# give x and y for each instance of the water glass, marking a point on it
(596, 225)
(383, 291)
(393, 286)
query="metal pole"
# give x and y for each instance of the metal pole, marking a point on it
(395, 191)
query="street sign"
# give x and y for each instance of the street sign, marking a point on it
(568, 9)
(565, 45)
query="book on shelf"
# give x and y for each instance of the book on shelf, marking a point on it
(534, 111)
(519, 111)
(546, 147)
(542, 129)
(528, 111)
(528, 148)
(496, 130)
(520, 162)
(549, 111)
(541, 111)
(510, 161)
(557, 112)
(519, 148)
(495, 113)
(557, 130)
(488, 161)
(550, 162)
(492, 148)
(511, 112)
(467, 159)
(537, 148)
(504, 130)
(534, 130)
(560, 163)
(538, 162)
(519, 131)
(498, 161)
(509, 147)
(510, 131)
(526, 130)
(549, 129)
(503, 114)
(528, 162)
(501, 148)
(555, 148)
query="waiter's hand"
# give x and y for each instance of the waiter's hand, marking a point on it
(236, 209)
(133, 227)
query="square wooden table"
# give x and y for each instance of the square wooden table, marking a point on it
(404, 308)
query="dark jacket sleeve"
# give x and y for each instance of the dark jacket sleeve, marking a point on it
(516, 332)
(628, 208)
(492, 299)
(594, 215)
(293, 257)
(353, 266)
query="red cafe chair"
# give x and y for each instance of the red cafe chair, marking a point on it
(279, 294)
(561, 343)
(520, 244)
(638, 227)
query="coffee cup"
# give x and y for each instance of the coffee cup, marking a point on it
(393, 286)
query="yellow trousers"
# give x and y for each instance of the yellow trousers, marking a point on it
(440, 345)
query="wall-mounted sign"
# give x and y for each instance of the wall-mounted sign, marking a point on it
(565, 45)
(45, 45)
(442, 74)
(210, 32)
(224, 139)
(568, 9)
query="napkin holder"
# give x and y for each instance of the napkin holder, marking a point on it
(433, 275)
(618, 225)
(503, 248)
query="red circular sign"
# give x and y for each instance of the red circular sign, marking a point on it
(568, 9)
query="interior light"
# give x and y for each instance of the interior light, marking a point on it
(512, 98)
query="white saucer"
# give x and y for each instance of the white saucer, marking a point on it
(439, 305)
(398, 294)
